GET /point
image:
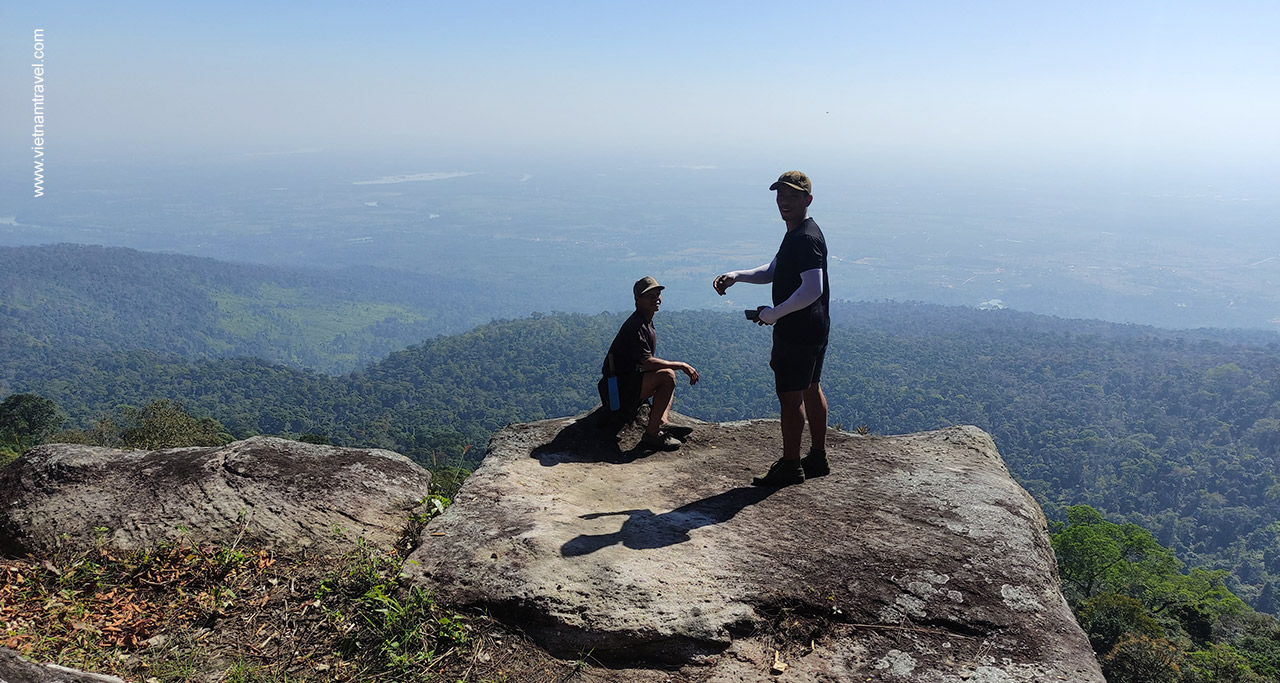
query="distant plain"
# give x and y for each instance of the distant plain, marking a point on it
(571, 237)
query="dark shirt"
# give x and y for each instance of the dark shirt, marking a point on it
(802, 249)
(634, 344)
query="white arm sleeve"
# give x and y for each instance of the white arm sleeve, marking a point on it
(809, 291)
(761, 275)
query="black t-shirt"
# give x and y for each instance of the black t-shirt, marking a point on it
(802, 249)
(634, 343)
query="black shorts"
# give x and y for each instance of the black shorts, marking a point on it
(628, 388)
(796, 366)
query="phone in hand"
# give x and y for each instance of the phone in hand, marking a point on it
(753, 314)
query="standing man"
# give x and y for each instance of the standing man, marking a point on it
(640, 374)
(801, 322)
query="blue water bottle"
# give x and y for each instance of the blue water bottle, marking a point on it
(614, 402)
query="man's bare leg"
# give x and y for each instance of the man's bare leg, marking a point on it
(661, 385)
(793, 405)
(815, 406)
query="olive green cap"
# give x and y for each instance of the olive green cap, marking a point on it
(794, 179)
(645, 284)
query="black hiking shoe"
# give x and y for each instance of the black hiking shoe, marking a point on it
(676, 431)
(815, 464)
(781, 473)
(660, 442)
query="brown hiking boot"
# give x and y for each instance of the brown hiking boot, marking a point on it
(781, 473)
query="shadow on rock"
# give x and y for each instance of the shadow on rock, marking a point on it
(594, 438)
(644, 530)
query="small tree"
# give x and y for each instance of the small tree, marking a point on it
(1096, 556)
(1219, 664)
(166, 424)
(1109, 617)
(27, 419)
(7, 455)
(1142, 659)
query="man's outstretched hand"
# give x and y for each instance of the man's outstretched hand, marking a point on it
(723, 282)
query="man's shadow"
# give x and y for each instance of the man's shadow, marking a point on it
(597, 437)
(644, 530)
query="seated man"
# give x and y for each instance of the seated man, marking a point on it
(640, 374)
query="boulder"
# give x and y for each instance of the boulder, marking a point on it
(14, 668)
(917, 559)
(280, 493)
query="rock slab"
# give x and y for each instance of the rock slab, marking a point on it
(278, 492)
(917, 559)
(14, 668)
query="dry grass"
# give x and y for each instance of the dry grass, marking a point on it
(194, 612)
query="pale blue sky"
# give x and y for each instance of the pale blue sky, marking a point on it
(1164, 84)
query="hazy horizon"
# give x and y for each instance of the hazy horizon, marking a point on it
(572, 238)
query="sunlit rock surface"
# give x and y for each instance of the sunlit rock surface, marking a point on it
(917, 559)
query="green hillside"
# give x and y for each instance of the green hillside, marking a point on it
(104, 299)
